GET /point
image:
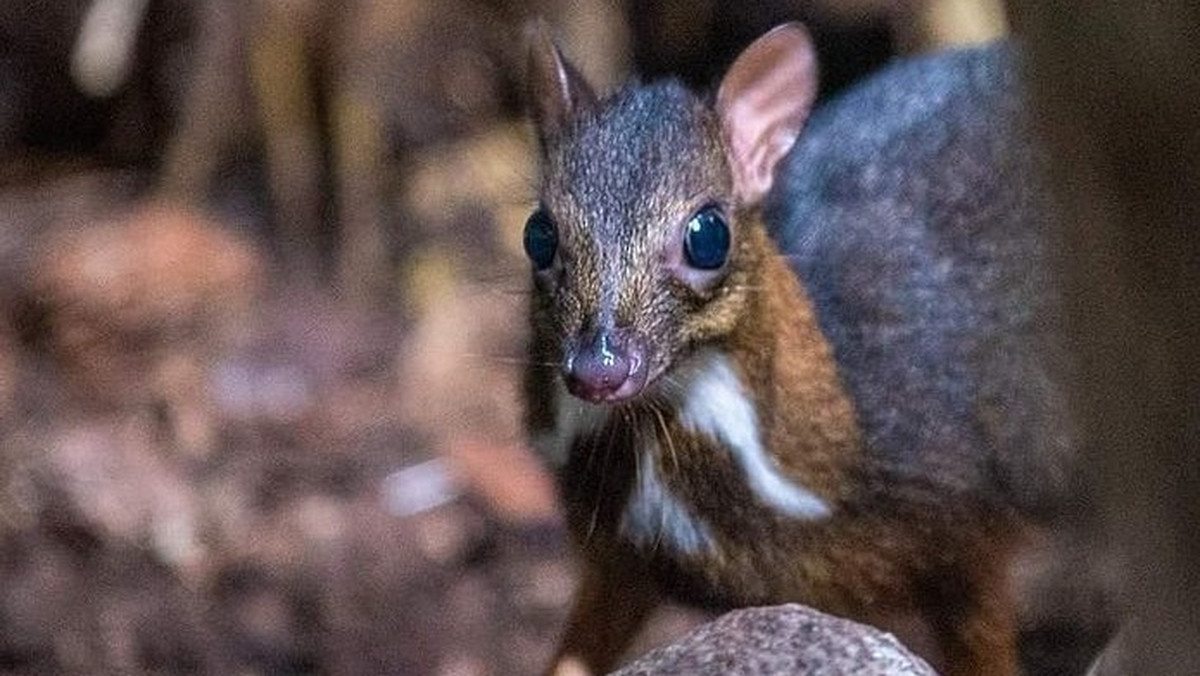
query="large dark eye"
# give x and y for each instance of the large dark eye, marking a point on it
(706, 242)
(541, 240)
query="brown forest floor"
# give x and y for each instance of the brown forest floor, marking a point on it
(203, 472)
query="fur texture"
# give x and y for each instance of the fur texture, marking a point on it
(873, 449)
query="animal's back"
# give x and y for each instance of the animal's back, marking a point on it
(910, 209)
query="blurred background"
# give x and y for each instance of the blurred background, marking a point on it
(261, 320)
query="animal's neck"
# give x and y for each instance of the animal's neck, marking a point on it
(762, 412)
(769, 393)
(807, 420)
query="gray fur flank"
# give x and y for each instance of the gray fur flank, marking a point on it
(910, 209)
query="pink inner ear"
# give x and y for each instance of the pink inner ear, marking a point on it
(763, 102)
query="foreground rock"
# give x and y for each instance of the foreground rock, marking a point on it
(788, 639)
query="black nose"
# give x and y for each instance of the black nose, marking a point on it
(606, 365)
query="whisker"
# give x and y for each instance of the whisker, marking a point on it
(671, 386)
(591, 455)
(603, 479)
(666, 433)
(662, 526)
(641, 456)
(638, 455)
(591, 529)
(502, 359)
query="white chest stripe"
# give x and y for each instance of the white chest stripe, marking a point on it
(654, 517)
(716, 406)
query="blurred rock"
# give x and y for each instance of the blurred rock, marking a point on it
(136, 308)
(158, 269)
(789, 639)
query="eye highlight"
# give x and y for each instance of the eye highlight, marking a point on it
(541, 239)
(706, 241)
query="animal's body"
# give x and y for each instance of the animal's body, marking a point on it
(857, 413)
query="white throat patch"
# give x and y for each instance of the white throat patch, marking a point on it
(716, 405)
(572, 417)
(654, 517)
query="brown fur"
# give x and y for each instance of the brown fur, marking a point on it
(895, 552)
(916, 568)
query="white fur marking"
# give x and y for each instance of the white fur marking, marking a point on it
(572, 418)
(655, 518)
(716, 406)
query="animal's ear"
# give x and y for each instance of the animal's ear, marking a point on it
(554, 89)
(763, 102)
